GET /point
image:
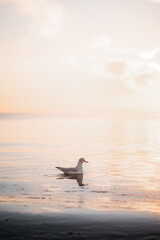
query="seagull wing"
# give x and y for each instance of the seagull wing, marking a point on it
(66, 170)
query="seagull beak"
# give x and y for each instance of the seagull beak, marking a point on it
(85, 161)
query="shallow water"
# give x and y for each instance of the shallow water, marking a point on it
(123, 151)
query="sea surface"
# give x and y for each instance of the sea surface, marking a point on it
(123, 173)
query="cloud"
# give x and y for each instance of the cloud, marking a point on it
(140, 83)
(150, 54)
(154, 1)
(101, 43)
(114, 69)
(154, 66)
(72, 60)
(139, 72)
(49, 18)
(143, 76)
(91, 58)
(97, 69)
(117, 68)
(46, 16)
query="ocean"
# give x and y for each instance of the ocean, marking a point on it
(123, 151)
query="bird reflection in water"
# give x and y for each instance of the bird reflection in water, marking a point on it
(78, 177)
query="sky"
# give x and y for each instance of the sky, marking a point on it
(79, 56)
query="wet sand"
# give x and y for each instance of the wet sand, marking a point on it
(79, 224)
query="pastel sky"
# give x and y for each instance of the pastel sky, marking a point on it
(79, 56)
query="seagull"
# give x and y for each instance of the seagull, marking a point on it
(76, 170)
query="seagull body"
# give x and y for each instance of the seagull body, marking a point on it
(76, 170)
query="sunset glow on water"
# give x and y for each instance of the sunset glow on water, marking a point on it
(122, 173)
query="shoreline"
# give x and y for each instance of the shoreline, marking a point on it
(79, 224)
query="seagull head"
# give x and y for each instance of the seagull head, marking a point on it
(82, 160)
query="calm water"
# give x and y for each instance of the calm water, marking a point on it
(123, 151)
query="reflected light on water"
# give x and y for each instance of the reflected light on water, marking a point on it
(123, 153)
